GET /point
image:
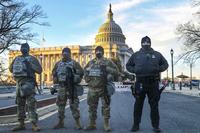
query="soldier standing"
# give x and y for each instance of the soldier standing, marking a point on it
(94, 76)
(147, 64)
(64, 71)
(23, 69)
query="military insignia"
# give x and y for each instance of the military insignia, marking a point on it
(153, 56)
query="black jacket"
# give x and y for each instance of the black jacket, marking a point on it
(146, 63)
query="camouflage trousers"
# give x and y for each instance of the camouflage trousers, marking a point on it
(32, 107)
(61, 101)
(93, 99)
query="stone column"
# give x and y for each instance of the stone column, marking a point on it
(48, 68)
(78, 54)
(43, 67)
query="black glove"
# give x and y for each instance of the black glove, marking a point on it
(53, 90)
(133, 90)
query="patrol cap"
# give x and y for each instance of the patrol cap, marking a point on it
(25, 46)
(66, 50)
(146, 39)
(99, 48)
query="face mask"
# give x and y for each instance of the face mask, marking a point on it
(146, 45)
(66, 56)
(24, 51)
(99, 54)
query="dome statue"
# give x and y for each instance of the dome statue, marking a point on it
(110, 32)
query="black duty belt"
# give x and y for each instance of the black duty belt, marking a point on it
(148, 79)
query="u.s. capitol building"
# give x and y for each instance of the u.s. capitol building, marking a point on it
(109, 36)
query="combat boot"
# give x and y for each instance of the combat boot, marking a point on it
(60, 124)
(106, 125)
(78, 123)
(35, 127)
(156, 130)
(91, 126)
(19, 127)
(135, 128)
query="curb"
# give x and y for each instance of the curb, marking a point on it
(12, 119)
(186, 94)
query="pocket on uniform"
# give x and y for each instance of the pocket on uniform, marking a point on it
(27, 89)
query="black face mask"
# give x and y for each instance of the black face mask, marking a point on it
(99, 55)
(24, 51)
(146, 47)
(66, 56)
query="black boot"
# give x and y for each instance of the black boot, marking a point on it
(135, 128)
(156, 130)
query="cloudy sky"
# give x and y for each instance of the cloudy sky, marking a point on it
(77, 22)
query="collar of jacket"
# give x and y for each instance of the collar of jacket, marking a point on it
(64, 60)
(146, 51)
(101, 59)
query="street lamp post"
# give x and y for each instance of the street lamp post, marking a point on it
(41, 56)
(167, 78)
(190, 75)
(172, 52)
(167, 75)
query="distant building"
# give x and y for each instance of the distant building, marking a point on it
(109, 36)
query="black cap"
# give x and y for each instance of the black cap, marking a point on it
(67, 50)
(99, 48)
(146, 39)
(25, 45)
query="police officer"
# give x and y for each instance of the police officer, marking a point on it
(23, 69)
(147, 64)
(63, 71)
(95, 72)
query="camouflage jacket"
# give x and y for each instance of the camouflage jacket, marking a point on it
(35, 67)
(78, 71)
(98, 82)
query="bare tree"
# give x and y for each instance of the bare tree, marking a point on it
(195, 2)
(190, 34)
(15, 21)
(3, 70)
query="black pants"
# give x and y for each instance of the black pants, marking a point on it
(152, 91)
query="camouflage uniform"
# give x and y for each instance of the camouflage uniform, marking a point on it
(63, 93)
(96, 87)
(31, 103)
(21, 101)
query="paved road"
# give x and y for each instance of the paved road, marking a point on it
(179, 114)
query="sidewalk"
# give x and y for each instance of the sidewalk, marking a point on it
(13, 94)
(7, 95)
(184, 91)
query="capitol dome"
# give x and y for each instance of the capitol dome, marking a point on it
(110, 32)
(110, 27)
